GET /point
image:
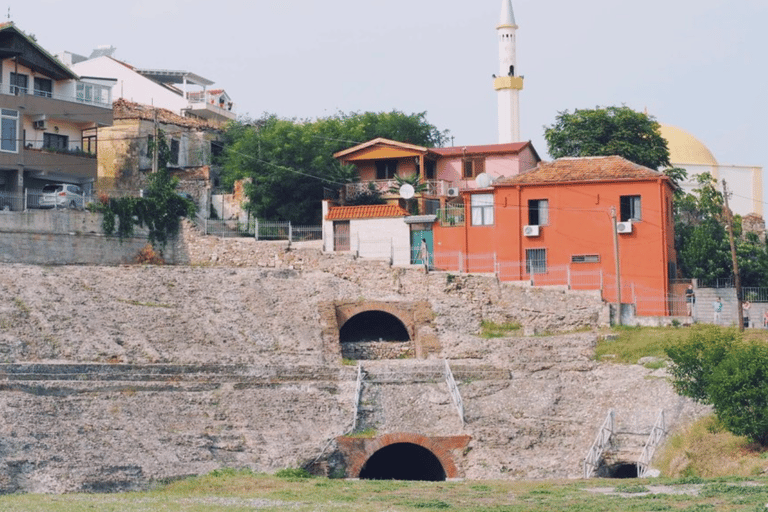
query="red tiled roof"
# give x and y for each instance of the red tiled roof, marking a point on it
(373, 211)
(597, 168)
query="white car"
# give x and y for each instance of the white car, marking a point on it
(62, 195)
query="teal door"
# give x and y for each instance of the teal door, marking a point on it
(416, 237)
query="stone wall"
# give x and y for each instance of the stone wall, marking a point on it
(113, 377)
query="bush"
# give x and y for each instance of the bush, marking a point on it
(715, 366)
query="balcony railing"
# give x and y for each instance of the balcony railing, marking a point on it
(72, 148)
(89, 94)
(434, 188)
(453, 216)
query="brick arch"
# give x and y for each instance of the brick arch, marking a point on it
(346, 313)
(358, 451)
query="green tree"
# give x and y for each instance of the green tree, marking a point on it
(738, 391)
(701, 240)
(608, 131)
(715, 366)
(291, 162)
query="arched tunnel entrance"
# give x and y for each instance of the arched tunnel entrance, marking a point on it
(373, 326)
(619, 470)
(403, 461)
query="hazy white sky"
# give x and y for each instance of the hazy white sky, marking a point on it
(694, 64)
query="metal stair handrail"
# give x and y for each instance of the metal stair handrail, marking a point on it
(658, 431)
(602, 440)
(453, 389)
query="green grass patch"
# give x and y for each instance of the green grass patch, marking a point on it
(634, 343)
(235, 490)
(490, 329)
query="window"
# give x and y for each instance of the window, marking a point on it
(482, 209)
(19, 83)
(630, 208)
(9, 128)
(538, 212)
(173, 158)
(55, 141)
(585, 258)
(386, 169)
(43, 87)
(536, 261)
(472, 167)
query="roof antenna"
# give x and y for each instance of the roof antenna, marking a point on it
(9, 13)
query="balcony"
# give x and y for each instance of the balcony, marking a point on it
(434, 188)
(90, 104)
(48, 163)
(202, 104)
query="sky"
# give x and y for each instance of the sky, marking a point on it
(694, 64)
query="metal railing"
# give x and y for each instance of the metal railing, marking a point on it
(453, 389)
(90, 94)
(658, 431)
(602, 441)
(451, 216)
(432, 188)
(261, 229)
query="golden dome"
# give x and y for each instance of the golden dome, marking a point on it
(684, 148)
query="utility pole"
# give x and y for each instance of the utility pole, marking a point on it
(618, 267)
(155, 149)
(729, 223)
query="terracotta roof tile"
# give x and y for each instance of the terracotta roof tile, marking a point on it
(374, 211)
(123, 109)
(598, 168)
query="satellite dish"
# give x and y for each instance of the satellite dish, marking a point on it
(483, 180)
(407, 191)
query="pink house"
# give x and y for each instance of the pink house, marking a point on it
(444, 171)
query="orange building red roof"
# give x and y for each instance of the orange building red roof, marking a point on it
(373, 211)
(597, 168)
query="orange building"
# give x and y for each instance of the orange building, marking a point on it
(553, 225)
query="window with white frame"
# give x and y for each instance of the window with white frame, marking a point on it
(538, 212)
(482, 209)
(9, 130)
(536, 261)
(630, 208)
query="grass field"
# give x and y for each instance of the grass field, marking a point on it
(241, 491)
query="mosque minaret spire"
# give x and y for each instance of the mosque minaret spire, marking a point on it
(508, 83)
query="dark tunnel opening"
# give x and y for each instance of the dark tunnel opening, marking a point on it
(622, 470)
(403, 461)
(373, 326)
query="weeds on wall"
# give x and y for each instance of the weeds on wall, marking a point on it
(159, 210)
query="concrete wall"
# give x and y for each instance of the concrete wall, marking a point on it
(65, 237)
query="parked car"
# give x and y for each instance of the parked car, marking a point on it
(61, 195)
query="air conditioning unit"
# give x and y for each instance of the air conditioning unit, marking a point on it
(453, 191)
(39, 125)
(531, 230)
(624, 227)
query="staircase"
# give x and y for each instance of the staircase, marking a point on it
(408, 395)
(624, 441)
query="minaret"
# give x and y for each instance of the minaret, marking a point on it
(508, 84)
